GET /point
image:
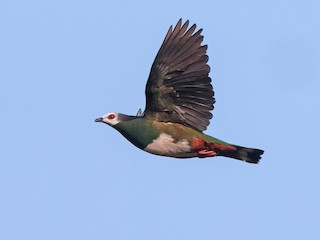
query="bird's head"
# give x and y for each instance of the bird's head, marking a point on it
(110, 119)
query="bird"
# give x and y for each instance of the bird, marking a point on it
(179, 101)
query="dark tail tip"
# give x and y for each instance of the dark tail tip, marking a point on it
(250, 155)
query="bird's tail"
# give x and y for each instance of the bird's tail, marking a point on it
(211, 149)
(250, 155)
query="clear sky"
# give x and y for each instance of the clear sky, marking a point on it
(63, 176)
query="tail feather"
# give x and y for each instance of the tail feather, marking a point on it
(250, 155)
(210, 149)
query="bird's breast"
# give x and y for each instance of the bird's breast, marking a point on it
(166, 145)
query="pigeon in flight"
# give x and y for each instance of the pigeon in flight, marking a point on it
(179, 100)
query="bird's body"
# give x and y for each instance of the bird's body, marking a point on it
(179, 98)
(177, 140)
(166, 139)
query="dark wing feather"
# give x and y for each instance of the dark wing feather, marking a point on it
(178, 88)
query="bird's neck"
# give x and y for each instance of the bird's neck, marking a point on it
(138, 130)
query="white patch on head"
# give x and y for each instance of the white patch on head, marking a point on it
(111, 118)
(165, 145)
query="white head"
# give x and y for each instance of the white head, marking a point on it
(109, 118)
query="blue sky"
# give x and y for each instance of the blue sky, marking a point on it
(62, 176)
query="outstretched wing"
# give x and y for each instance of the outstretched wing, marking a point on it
(178, 88)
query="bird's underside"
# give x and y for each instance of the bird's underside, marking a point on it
(166, 145)
(178, 141)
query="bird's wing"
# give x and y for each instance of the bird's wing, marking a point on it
(178, 88)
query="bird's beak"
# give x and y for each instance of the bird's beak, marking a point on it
(99, 119)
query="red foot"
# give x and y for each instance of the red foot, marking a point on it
(207, 153)
(206, 149)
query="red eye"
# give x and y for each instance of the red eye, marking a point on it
(111, 116)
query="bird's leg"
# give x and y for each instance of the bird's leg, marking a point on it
(207, 153)
(213, 149)
(203, 148)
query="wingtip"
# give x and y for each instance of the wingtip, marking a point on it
(180, 21)
(178, 26)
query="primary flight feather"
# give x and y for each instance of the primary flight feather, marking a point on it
(179, 100)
